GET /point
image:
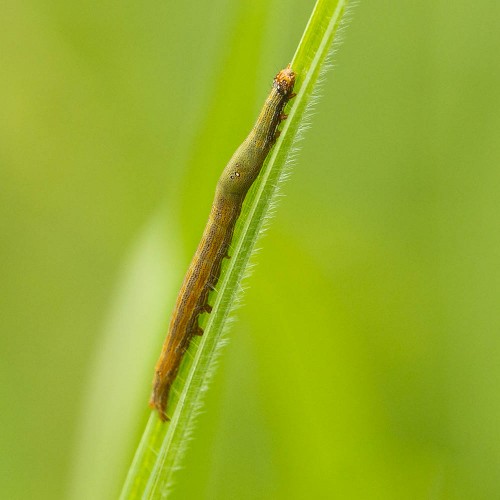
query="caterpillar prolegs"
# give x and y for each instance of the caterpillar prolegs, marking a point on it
(204, 270)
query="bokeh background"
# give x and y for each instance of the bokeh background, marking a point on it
(365, 362)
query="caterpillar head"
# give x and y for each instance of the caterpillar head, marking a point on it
(284, 81)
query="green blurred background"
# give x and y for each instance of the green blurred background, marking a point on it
(365, 362)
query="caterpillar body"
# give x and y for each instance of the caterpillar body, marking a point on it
(204, 270)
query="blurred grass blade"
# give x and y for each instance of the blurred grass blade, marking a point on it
(138, 306)
(162, 445)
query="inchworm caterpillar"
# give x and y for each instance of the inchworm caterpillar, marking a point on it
(205, 268)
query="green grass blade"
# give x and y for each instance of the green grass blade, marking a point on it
(160, 451)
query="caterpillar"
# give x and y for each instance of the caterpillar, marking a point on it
(204, 270)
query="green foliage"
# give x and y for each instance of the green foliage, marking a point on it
(365, 359)
(162, 446)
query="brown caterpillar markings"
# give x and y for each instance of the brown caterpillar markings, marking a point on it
(204, 270)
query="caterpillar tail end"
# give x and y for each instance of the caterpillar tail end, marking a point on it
(161, 409)
(159, 398)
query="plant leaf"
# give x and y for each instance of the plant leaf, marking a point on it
(160, 451)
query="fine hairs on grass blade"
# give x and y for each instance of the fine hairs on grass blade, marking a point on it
(159, 454)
